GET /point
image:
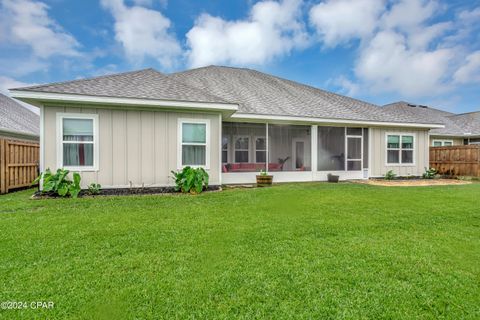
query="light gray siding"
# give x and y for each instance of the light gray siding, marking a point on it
(456, 141)
(378, 161)
(136, 147)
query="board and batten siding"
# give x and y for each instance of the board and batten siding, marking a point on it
(378, 161)
(136, 147)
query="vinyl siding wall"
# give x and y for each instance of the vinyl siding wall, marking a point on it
(456, 141)
(136, 148)
(378, 152)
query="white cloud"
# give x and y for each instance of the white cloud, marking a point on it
(470, 71)
(9, 83)
(143, 33)
(409, 14)
(400, 50)
(387, 64)
(273, 29)
(26, 22)
(338, 21)
(347, 86)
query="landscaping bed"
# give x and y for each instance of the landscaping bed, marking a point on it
(120, 192)
(413, 182)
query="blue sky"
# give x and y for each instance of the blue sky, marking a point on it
(381, 51)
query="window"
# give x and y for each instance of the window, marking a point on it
(260, 149)
(442, 143)
(224, 149)
(77, 141)
(400, 148)
(241, 149)
(194, 139)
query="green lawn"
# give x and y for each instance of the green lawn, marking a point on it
(310, 251)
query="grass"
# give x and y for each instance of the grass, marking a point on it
(314, 251)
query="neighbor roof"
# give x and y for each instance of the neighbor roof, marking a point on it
(254, 92)
(16, 118)
(455, 124)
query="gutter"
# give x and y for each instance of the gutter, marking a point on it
(17, 133)
(313, 120)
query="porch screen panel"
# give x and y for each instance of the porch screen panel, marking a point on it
(365, 148)
(289, 148)
(331, 149)
(243, 147)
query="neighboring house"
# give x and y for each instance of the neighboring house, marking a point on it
(459, 129)
(132, 129)
(16, 121)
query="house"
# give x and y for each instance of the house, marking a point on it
(17, 122)
(132, 129)
(460, 129)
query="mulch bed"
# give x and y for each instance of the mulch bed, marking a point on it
(122, 192)
(413, 182)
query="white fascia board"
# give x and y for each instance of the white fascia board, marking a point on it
(258, 117)
(74, 98)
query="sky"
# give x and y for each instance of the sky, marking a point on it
(381, 51)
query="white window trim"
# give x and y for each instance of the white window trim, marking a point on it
(255, 148)
(180, 143)
(235, 147)
(400, 134)
(442, 141)
(94, 117)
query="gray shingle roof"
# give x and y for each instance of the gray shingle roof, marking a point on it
(260, 93)
(470, 122)
(15, 117)
(142, 84)
(255, 93)
(455, 125)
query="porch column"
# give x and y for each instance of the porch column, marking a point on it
(314, 154)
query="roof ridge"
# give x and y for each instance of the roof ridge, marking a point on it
(465, 113)
(86, 79)
(280, 79)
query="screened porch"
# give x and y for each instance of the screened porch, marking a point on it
(283, 150)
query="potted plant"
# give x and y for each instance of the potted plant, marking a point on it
(264, 179)
(332, 178)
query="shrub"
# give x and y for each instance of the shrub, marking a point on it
(94, 188)
(59, 183)
(263, 173)
(429, 173)
(190, 180)
(390, 175)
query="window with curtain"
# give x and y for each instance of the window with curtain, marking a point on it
(78, 141)
(194, 143)
(400, 149)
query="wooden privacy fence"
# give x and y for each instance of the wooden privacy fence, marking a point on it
(18, 164)
(456, 160)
